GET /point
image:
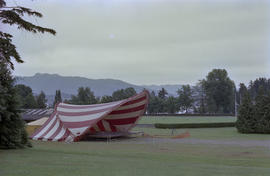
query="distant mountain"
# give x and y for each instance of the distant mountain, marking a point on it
(68, 85)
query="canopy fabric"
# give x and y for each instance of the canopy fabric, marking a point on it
(72, 122)
(39, 121)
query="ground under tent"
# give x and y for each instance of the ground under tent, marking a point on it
(72, 123)
(31, 127)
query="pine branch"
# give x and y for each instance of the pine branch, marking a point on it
(8, 50)
(11, 17)
(22, 10)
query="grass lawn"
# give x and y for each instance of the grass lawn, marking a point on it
(132, 157)
(185, 119)
(120, 159)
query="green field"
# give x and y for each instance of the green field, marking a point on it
(184, 119)
(217, 151)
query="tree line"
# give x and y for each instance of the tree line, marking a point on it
(213, 95)
(27, 100)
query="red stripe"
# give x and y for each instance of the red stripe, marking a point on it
(92, 130)
(89, 123)
(134, 101)
(43, 126)
(122, 121)
(128, 110)
(57, 131)
(101, 126)
(113, 128)
(84, 113)
(66, 134)
(79, 124)
(48, 130)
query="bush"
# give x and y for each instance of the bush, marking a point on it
(254, 115)
(195, 125)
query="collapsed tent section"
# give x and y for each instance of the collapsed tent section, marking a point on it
(73, 122)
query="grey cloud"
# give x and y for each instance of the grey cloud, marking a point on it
(171, 41)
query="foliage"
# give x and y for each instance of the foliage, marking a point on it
(57, 97)
(13, 16)
(219, 89)
(41, 100)
(194, 125)
(171, 105)
(154, 104)
(106, 99)
(254, 113)
(185, 98)
(12, 131)
(255, 86)
(162, 93)
(25, 97)
(199, 98)
(85, 96)
(162, 103)
(123, 93)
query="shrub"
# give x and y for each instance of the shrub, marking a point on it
(254, 115)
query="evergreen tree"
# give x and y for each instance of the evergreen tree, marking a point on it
(57, 97)
(162, 93)
(171, 105)
(199, 98)
(185, 98)
(254, 113)
(13, 16)
(246, 121)
(262, 111)
(41, 100)
(12, 131)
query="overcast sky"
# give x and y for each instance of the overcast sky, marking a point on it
(148, 41)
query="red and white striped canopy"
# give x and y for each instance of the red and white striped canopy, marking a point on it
(72, 122)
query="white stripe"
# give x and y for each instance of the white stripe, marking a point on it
(81, 118)
(70, 138)
(38, 111)
(45, 128)
(123, 116)
(77, 131)
(51, 132)
(90, 106)
(87, 109)
(60, 135)
(42, 112)
(132, 105)
(49, 111)
(106, 125)
(30, 112)
(123, 128)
